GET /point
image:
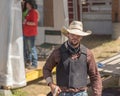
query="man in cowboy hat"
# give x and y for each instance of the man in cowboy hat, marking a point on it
(74, 63)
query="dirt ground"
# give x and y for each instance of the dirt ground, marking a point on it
(37, 87)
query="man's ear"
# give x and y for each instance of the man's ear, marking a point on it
(67, 34)
(81, 37)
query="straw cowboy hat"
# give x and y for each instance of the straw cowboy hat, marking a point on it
(75, 27)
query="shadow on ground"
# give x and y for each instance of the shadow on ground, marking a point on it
(93, 41)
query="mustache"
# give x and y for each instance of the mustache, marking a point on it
(75, 39)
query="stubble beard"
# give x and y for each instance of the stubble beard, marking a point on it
(75, 43)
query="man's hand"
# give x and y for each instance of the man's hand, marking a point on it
(54, 89)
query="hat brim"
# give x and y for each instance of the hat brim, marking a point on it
(65, 31)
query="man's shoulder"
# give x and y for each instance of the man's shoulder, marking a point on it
(57, 50)
(83, 49)
(89, 52)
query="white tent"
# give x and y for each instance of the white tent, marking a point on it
(12, 71)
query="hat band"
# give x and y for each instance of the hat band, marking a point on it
(77, 29)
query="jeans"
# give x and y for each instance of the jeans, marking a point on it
(30, 53)
(83, 93)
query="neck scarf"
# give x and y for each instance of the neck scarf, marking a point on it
(73, 50)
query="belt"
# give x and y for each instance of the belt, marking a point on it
(75, 90)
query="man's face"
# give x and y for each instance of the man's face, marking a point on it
(74, 39)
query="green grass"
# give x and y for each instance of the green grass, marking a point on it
(19, 92)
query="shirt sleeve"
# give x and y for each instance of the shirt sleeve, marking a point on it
(32, 17)
(94, 75)
(51, 62)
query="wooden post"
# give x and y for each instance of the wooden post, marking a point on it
(116, 19)
(115, 12)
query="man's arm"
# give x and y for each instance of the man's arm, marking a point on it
(51, 62)
(94, 75)
(48, 67)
